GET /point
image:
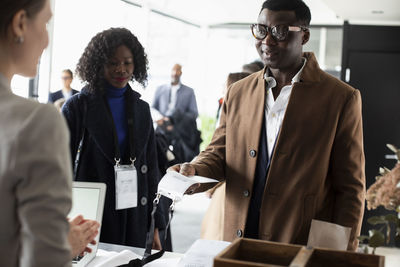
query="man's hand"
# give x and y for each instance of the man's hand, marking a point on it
(81, 233)
(186, 169)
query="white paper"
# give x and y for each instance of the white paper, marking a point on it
(202, 253)
(111, 258)
(328, 235)
(172, 262)
(174, 185)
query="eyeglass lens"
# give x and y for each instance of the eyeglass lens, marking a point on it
(279, 32)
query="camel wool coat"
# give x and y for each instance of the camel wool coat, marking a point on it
(317, 167)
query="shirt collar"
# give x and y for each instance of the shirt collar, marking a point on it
(296, 77)
(271, 82)
(175, 87)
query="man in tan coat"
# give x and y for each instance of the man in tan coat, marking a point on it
(290, 143)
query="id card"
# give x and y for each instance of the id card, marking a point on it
(126, 192)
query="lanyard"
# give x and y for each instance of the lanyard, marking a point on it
(148, 257)
(130, 118)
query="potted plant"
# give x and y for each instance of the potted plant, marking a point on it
(384, 192)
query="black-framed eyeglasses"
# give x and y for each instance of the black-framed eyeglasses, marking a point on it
(278, 32)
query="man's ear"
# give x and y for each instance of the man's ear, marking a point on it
(306, 37)
(19, 24)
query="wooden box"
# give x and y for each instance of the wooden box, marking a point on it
(251, 252)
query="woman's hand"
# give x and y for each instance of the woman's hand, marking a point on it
(156, 240)
(81, 233)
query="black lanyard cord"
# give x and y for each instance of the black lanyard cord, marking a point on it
(149, 241)
(148, 257)
(131, 122)
(130, 119)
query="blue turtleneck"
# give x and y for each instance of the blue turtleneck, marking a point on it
(116, 102)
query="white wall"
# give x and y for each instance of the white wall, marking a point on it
(207, 55)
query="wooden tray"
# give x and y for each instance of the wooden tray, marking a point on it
(251, 252)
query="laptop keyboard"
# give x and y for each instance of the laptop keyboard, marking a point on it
(77, 258)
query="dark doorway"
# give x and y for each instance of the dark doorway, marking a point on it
(371, 63)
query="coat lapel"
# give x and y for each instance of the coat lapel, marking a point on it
(140, 134)
(253, 122)
(98, 121)
(298, 99)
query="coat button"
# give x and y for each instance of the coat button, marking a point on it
(143, 201)
(239, 233)
(252, 153)
(246, 193)
(143, 169)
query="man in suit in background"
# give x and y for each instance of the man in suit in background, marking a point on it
(177, 104)
(66, 92)
(290, 140)
(175, 96)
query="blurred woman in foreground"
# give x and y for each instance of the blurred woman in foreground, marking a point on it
(35, 165)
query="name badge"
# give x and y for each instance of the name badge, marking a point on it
(126, 192)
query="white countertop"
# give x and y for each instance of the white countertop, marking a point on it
(171, 259)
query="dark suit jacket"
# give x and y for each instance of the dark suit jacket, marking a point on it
(317, 167)
(129, 226)
(53, 97)
(185, 100)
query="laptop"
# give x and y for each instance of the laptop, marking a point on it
(87, 200)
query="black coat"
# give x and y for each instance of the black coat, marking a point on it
(96, 164)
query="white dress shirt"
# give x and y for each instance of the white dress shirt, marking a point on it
(275, 109)
(172, 101)
(66, 94)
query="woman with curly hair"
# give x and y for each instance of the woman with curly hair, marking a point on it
(112, 136)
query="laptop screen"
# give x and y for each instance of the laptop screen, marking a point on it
(85, 202)
(88, 201)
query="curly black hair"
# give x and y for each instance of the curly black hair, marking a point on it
(101, 48)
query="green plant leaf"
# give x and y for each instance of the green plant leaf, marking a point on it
(391, 218)
(376, 239)
(374, 220)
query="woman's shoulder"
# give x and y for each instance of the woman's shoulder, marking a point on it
(25, 112)
(27, 119)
